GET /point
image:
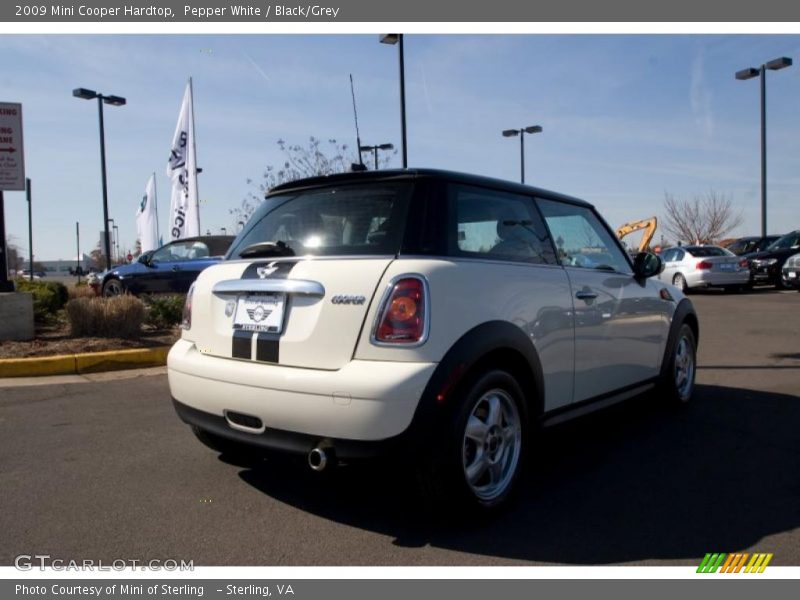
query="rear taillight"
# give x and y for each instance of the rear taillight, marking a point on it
(703, 264)
(403, 316)
(186, 320)
(744, 264)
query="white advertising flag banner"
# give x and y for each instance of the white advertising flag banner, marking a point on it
(184, 217)
(147, 218)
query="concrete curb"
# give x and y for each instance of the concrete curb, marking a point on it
(88, 362)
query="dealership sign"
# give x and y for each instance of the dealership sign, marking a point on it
(12, 163)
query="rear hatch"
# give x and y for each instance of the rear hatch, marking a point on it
(293, 312)
(302, 274)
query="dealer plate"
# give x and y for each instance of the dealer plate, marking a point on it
(260, 312)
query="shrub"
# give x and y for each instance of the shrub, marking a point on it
(81, 291)
(49, 297)
(120, 317)
(164, 311)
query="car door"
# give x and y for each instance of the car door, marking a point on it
(162, 268)
(620, 322)
(194, 257)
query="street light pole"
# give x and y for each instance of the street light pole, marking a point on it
(374, 150)
(107, 241)
(397, 38)
(108, 238)
(86, 94)
(763, 74)
(749, 73)
(78, 244)
(116, 243)
(521, 133)
(30, 226)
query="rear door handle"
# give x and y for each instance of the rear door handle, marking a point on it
(586, 295)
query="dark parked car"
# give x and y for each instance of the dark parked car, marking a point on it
(766, 266)
(748, 245)
(169, 269)
(791, 272)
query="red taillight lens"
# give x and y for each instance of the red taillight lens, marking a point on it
(703, 264)
(743, 263)
(403, 314)
(186, 321)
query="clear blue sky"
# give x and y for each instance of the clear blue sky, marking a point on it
(626, 118)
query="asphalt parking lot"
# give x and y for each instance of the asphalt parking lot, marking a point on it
(105, 470)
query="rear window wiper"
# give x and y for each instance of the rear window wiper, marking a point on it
(266, 249)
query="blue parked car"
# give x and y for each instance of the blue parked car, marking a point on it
(169, 269)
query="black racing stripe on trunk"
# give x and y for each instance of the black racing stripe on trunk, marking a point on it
(242, 344)
(268, 347)
(276, 269)
(267, 344)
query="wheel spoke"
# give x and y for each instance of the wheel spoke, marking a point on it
(478, 467)
(496, 470)
(476, 430)
(495, 411)
(509, 435)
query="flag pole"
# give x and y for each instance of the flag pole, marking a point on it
(194, 151)
(155, 205)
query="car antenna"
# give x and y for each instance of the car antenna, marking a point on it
(359, 166)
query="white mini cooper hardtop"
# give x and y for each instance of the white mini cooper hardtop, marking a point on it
(436, 316)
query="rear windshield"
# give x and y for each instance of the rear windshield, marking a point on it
(365, 219)
(703, 251)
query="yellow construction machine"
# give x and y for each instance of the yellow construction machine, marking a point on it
(649, 225)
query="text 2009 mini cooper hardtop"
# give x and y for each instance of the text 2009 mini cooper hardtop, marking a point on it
(438, 315)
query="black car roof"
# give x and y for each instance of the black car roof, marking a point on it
(402, 174)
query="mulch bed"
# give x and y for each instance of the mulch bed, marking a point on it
(55, 339)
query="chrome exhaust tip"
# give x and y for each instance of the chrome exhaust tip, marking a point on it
(317, 459)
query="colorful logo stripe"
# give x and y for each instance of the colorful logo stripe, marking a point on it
(734, 563)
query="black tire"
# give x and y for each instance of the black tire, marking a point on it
(492, 406)
(112, 287)
(678, 377)
(679, 281)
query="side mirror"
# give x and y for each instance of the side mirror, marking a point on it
(145, 258)
(647, 265)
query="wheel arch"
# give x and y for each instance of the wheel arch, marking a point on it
(492, 344)
(112, 277)
(684, 313)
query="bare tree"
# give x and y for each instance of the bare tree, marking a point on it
(299, 162)
(15, 258)
(701, 220)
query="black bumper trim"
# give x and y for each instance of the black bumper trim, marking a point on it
(287, 441)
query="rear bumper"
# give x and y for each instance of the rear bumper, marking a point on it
(706, 279)
(365, 401)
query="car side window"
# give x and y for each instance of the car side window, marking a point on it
(181, 251)
(581, 238)
(668, 255)
(497, 225)
(163, 254)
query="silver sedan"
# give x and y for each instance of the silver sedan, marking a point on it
(692, 267)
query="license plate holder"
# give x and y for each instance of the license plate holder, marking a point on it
(261, 312)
